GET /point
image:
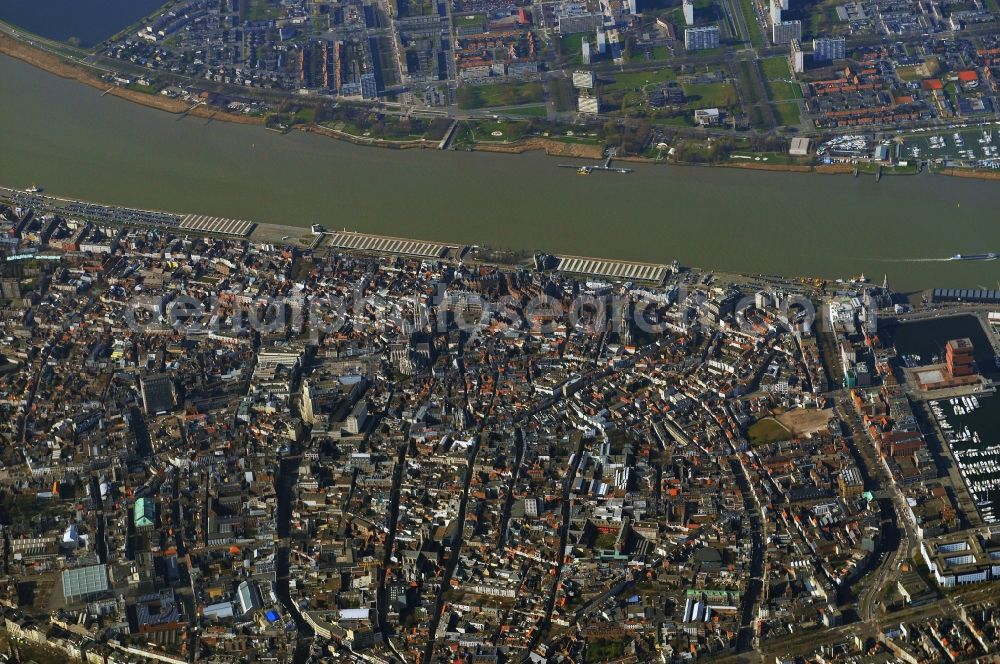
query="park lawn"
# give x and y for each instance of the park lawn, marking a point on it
(537, 111)
(710, 95)
(563, 94)
(757, 120)
(571, 48)
(756, 39)
(139, 87)
(747, 82)
(262, 10)
(680, 120)
(775, 67)
(474, 19)
(912, 73)
(626, 81)
(500, 94)
(767, 430)
(603, 650)
(787, 113)
(510, 131)
(305, 115)
(783, 90)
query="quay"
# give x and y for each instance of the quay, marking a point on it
(382, 244)
(600, 267)
(126, 216)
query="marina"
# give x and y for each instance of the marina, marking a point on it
(979, 145)
(971, 427)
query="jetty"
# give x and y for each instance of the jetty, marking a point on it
(606, 167)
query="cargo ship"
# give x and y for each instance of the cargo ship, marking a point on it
(975, 257)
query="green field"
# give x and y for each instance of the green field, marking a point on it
(571, 48)
(775, 67)
(472, 132)
(768, 430)
(779, 80)
(262, 10)
(912, 73)
(563, 94)
(536, 111)
(710, 95)
(474, 19)
(746, 74)
(756, 39)
(783, 90)
(787, 113)
(628, 81)
(499, 94)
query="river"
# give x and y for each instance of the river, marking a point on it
(88, 21)
(72, 141)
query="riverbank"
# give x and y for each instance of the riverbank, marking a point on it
(826, 169)
(63, 68)
(972, 173)
(91, 147)
(551, 147)
(55, 65)
(312, 128)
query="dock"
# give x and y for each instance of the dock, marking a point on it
(586, 169)
(448, 135)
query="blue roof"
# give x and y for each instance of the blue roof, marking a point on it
(271, 616)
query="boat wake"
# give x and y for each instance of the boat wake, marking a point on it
(915, 260)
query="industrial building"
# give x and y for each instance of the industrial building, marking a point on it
(699, 39)
(688, 12)
(800, 146)
(965, 295)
